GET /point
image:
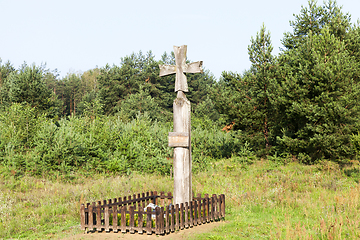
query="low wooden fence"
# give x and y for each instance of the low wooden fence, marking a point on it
(128, 214)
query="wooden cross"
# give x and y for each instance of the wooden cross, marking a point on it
(181, 137)
(180, 68)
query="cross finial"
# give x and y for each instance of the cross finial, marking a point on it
(180, 68)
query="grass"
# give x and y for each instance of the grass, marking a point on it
(264, 200)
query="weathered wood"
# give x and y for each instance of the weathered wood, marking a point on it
(199, 212)
(213, 207)
(179, 139)
(143, 200)
(177, 225)
(182, 124)
(186, 209)
(223, 204)
(169, 198)
(191, 223)
(204, 210)
(114, 218)
(106, 218)
(172, 227)
(181, 216)
(195, 212)
(162, 230)
(216, 210)
(181, 68)
(207, 207)
(167, 220)
(123, 219)
(148, 221)
(98, 217)
(155, 199)
(131, 219)
(91, 220)
(82, 216)
(140, 221)
(157, 220)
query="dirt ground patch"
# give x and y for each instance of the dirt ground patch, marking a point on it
(182, 234)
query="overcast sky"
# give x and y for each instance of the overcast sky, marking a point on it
(78, 35)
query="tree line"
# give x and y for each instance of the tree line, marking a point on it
(304, 102)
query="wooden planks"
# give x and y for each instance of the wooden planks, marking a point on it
(128, 215)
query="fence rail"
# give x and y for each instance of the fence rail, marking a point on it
(128, 214)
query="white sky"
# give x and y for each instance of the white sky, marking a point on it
(77, 35)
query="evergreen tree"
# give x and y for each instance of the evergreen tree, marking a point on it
(244, 99)
(118, 82)
(318, 98)
(5, 70)
(28, 85)
(313, 19)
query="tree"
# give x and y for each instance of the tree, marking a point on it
(313, 19)
(5, 70)
(118, 82)
(318, 98)
(244, 99)
(27, 85)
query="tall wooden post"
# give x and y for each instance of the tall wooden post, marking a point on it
(181, 137)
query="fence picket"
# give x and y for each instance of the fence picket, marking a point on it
(195, 212)
(167, 220)
(177, 226)
(172, 227)
(82, 216)
(186, 215)
(162, 220)
(181, 216)
(123, 219)
(148, 221)
(98, 216)
(191, 214)
(90, 214)
(131, 219)
(140, 221)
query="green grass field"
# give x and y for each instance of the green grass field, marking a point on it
(264, 200)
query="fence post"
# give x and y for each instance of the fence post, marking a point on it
(155, 198)
(216, 210)
(199, 212)
(207, 207)
(140, 220)
(148, 221)
(167, 223)
(191, 213)
(223, 205)
(98, 216)
(123, 219)
(169, 198)
(195, 212)
(162, 220)
(212, 207)
(131, 219)
(181, 216)
(82, 216)
(114, 218)
(177, 217)
(172, 218)
(186, 215)
(91, 221)
(157, 220)
(106, 216)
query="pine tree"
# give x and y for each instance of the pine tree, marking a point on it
(28, 85)
(318, 98)
(244, 99)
